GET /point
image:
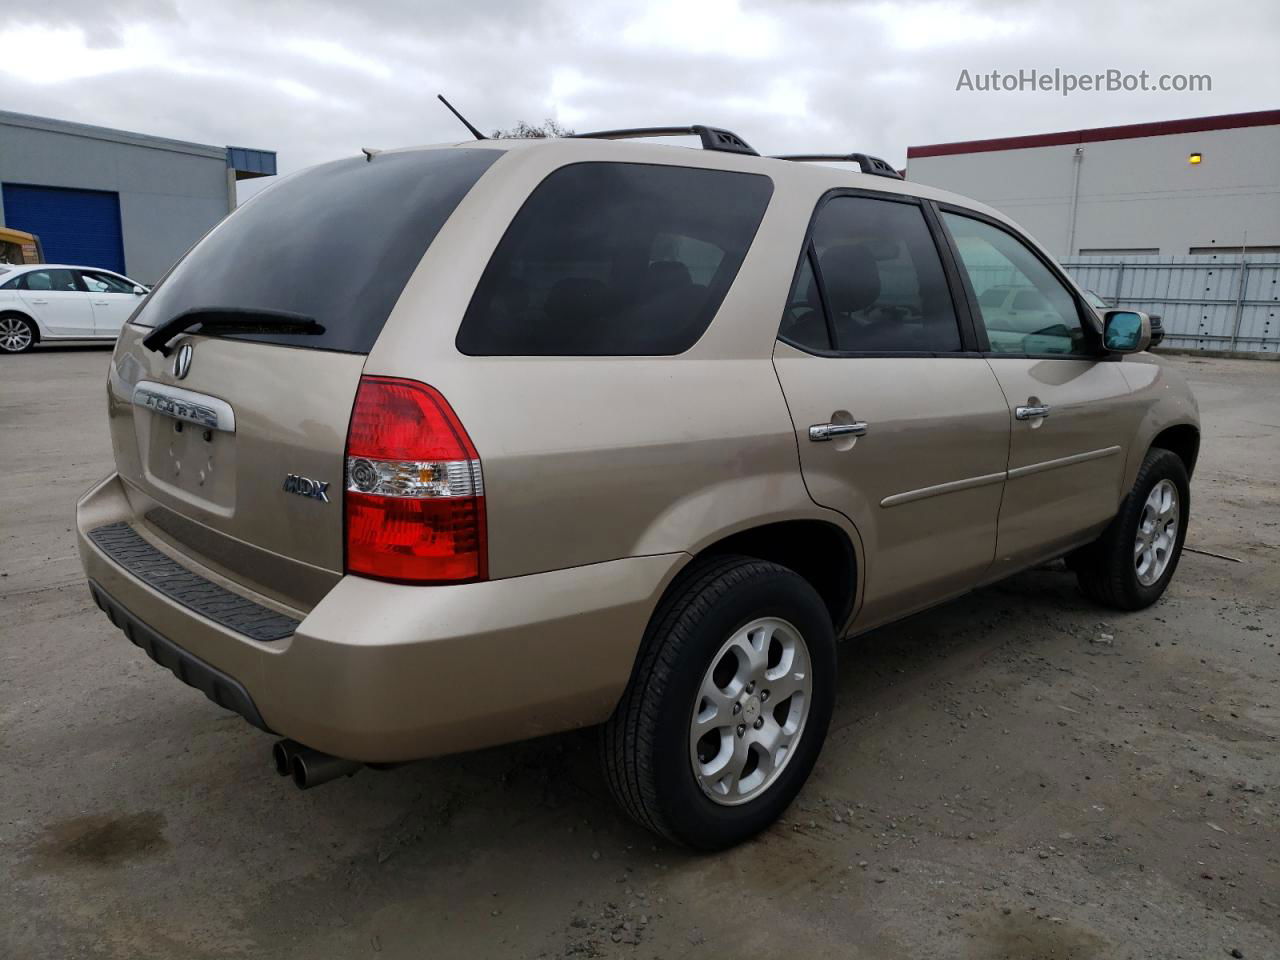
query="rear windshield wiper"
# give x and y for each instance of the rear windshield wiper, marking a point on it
(213, 320)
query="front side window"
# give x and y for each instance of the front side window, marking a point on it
(872, 278)
(615, 259)
(104, 283)
(52, 281)
(1024, 307)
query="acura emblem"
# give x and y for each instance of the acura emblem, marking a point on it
(182, 361)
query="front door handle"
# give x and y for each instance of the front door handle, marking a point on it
(102, 303)
(1031, 411)
(829, 431)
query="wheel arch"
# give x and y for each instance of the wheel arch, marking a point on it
(820, 551)
(1182, 439)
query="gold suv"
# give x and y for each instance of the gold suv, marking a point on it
(586, 432)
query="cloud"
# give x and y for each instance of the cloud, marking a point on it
(319, 79)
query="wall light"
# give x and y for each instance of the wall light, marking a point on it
(1194, 158)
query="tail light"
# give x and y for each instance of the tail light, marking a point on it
(414, 491)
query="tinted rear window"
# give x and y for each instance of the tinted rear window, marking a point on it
(335, 243)
(615, 259)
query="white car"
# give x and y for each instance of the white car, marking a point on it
(54, 301)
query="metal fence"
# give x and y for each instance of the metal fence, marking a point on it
(1224, 302)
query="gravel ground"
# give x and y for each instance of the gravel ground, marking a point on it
(1015, 774)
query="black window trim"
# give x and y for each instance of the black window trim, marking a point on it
(969, 344)
(1084, 312)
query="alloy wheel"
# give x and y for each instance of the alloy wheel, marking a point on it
(1157, 533)
(15, 335)
(750, 711)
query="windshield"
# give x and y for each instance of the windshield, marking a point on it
(335, 243)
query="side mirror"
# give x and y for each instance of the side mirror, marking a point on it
(139, 290)
(1126, 331)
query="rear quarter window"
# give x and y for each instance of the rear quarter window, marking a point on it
(615, 259)
(335, 243)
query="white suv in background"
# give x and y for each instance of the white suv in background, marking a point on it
(52, 301)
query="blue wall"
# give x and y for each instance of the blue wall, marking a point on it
(75, 226)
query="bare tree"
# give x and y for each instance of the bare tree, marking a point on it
(528, 131)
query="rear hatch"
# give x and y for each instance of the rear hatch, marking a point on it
(230, 434)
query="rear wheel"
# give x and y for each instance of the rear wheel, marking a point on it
(728, 705)
(17, 334)
(1130, 565)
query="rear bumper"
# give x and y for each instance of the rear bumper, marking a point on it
(382, 672)
(227, 692)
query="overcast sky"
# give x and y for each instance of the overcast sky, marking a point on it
(318, 79)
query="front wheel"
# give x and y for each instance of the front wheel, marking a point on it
(1130, 565)
(728, 704)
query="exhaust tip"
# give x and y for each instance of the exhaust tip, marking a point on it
(282, 753)
(310, 768)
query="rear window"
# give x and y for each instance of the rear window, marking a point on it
(615, 259)
(335, 243)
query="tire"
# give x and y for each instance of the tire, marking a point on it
(17, 334)
(1110, 569)
(648, 747)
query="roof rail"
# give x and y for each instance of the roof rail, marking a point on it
(713, 138)
(872, 165)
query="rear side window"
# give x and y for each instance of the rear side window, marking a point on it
(615, 259)
(335, 243)
(62, 281)
(872, 278)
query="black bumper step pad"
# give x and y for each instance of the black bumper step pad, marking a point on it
(127, 548)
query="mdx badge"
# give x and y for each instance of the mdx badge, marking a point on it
(304, 487)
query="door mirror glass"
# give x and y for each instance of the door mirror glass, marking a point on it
(1126, 331)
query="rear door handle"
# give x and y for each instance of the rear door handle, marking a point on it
(39, 301)
(829, 431)
(1031, 411)
(101, 303)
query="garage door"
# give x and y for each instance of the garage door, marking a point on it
(74, 226)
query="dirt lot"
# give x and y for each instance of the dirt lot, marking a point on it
(1000, 781)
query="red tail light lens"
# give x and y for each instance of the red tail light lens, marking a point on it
(414, 488)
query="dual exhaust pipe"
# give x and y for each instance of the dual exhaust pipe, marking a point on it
(310, 768)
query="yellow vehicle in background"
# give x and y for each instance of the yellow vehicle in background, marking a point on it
(18, 246)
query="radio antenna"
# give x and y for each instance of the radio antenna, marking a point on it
(465, 122)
